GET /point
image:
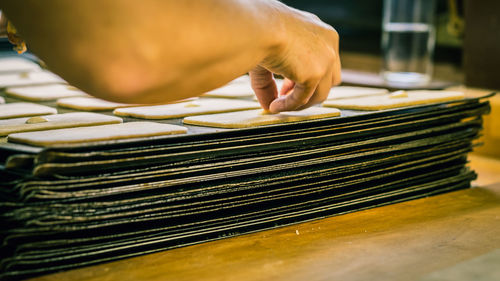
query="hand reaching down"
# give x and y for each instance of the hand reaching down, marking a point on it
(308, 60)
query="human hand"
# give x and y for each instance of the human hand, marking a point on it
(133, 64)
(308, 60)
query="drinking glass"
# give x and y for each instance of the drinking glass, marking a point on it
(408, 38)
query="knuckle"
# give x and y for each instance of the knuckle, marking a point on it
(314, 78)
(333, 37)
(315, 74)
(261, 83)
(315, 17)
(334, 34)
(311, 78)
(258, 70)
(311, 16)
(330, 56)
(298, 100)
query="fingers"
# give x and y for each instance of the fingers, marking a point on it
(311, 63)
(264, 86)
(299, 96)
(287, 87)
(321, 92)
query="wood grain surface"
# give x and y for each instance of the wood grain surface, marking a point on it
(405, 241)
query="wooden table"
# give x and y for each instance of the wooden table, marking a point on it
(425, 239)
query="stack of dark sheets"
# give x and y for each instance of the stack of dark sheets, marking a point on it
(74, 206)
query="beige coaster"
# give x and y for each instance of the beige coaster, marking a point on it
(44, 92)
(395, 100)
(29, 78)
(90, 104)
(183, 109)
(17, 64)
(472, 92)
(343, 92)
(23, 109)
(55, 121)
(96, 133)
(253, 118)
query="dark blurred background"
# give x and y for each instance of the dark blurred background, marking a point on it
(359, 23)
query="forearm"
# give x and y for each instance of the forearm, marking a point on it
(152, 50)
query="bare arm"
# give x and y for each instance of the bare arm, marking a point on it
(161, 50)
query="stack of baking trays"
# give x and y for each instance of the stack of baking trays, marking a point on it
(71, 205)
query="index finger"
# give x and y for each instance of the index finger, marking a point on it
(299, 96)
